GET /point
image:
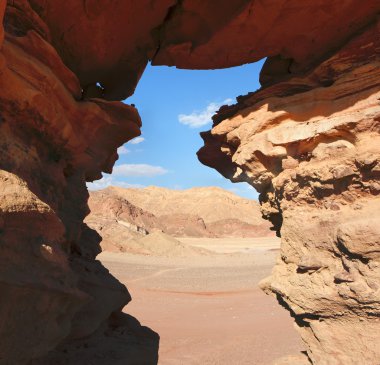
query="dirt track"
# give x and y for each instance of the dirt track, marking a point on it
(209, 310)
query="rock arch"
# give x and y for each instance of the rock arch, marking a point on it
(308, 140)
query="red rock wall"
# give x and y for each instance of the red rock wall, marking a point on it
(110, 41)
(308, 141)
(52, 141)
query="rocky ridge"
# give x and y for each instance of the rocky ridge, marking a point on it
(121, 216)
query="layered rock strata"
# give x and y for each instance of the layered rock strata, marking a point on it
(310, 145)
(51, 141)
(110, 42)
(308, 142)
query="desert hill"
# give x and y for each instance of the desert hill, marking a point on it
(124, 216)
(210, 203)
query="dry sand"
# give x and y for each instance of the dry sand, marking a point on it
(208, 309)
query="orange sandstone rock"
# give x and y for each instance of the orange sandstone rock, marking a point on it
(110, 42)
(51, 142)
(308, 141)
(310, 145)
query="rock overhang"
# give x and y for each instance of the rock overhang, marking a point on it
(65, 65)
(110, 42)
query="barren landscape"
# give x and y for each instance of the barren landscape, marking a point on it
(199, 290)
(208, 309)
(307, 139)
(123, 216)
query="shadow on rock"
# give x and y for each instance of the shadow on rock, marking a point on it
(120, 341)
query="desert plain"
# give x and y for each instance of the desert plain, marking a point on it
(206, 304)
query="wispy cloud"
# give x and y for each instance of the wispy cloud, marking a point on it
(124, 171)
(141, 170)
(122, 150)
(137, 140)
(199, 119)
(109, 180)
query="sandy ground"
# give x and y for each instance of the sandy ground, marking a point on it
(208, 309)
(230, 245)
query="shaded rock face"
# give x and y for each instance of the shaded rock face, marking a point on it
(51, 142)
(106, 41)
(310, 145)
(308, 142)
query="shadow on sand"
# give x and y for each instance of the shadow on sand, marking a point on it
(121, 341)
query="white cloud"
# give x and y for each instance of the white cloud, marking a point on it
(109, 180)
(199, 119)
(122, 150)
(137, 140)
(228, 101)
(126, 170)
(143, 170)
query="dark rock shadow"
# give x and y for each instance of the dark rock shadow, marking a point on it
(122, 340)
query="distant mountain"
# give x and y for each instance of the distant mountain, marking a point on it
(121, 215)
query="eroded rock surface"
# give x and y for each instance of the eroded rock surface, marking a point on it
(310, 145)
(110, 42)
(51, 142)
(308, 142)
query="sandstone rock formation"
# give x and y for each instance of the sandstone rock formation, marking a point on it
(52, 141)
(122, 216)
(308, 141)
(110, 42)
(310, 145)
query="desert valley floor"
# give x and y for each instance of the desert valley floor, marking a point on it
(208, 308)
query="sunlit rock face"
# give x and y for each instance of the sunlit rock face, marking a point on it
(308, 142)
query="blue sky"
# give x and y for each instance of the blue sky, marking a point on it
(175, 105)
